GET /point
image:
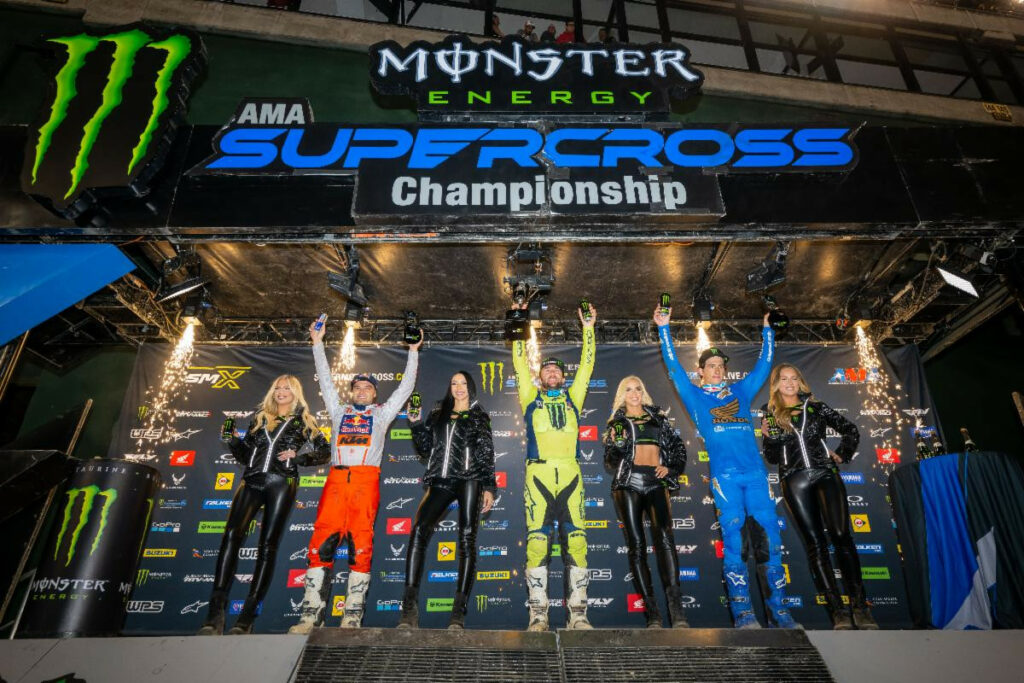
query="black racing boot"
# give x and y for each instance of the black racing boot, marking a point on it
(458, 619)
(862, 616)
(838, 612)
(410, 608)
(214, 625)
(676, 613)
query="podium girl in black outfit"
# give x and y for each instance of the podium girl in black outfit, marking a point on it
(794, 428)
(282, 436)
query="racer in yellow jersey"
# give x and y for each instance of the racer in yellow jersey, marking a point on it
(554, 483)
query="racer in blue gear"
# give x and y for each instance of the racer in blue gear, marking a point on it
(739, 479)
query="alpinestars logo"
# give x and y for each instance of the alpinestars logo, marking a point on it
(88, 495)
(727, 413)
(133, 85)
(491, 376)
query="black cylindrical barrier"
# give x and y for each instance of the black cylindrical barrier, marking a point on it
(85, 578)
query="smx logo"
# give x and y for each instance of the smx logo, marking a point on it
(491, 374)
(223, 377)
(88, 494)
(133, 86)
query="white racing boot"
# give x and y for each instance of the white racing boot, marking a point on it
(579, 579)
(355, 599)
(313, 602)
(537, 592)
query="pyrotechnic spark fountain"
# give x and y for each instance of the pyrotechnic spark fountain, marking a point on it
(345, 362)
(703, 341)
(533, 355)
(156, 416)
(880, 402)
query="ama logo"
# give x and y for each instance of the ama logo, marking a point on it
(124, 92)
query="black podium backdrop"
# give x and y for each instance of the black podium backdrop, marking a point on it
(174, 582)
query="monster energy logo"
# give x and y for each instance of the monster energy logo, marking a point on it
(481, 603)
(489, 372)
(556, 415)
(127, 49)
(88, 494)
(141, 577)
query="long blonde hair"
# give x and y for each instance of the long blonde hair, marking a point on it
(620, 394)
(268, 408)
(776, 406)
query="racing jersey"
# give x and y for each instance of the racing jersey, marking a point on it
(722, 415)
(359, 432)
(552, 416)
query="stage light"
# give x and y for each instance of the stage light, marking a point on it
(771, 272)
(702, 307)
(347, 286)
(957, 280)
(353, 315)
(182, 288)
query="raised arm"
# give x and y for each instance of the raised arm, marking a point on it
(686, 389)
(323, 372)
(524, 379)
(404, 391)
(581, 382)
(749, 385)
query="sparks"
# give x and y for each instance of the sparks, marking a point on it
(155, 415)
(533, 356)
(346, 359)
(880, 398)
(703, 341)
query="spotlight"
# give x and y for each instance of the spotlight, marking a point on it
(196, 308)
(770, 272)
(182, 288)
(702, 307)
(536, 309)
(957, 280)
(353, 315)
(347, 286)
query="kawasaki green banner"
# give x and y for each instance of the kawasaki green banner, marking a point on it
(87, 572)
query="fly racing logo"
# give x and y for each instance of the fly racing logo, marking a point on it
(916, 412)
(123, 91)
(491, 374)
(88, 495)
(140, 457)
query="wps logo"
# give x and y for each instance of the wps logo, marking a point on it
(155, 72)
(491, 375)
(221, 377)
(88, 495)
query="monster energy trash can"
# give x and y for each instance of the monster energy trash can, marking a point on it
(85, 577)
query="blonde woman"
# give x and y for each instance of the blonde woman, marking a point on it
(645, 457)
(282, 436)
(794, 428)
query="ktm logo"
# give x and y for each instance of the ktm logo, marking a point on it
(491, 375)
(727, 413)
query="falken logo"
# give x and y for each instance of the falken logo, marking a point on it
(491, 374)
(88, 496)
(221, 377)
(154, 68)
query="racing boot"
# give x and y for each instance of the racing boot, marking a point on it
(579, 579)
(537, 597)
(737, 587)
(314, 601)
(214, 624)
(457, 622)
(676, 613)
(778, 610)
(355, 599)
(838, 613)
(410, 608)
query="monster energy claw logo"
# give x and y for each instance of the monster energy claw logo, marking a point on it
(89, 494)
(128, 49)
(489, 372)
(481, 603)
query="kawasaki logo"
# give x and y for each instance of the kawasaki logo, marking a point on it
(490, 371)
(133, 85)
(88, 494)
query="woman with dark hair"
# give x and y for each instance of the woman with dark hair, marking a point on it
(794, 428)
(645, 457)
(456, 444)
(281, 436)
